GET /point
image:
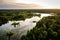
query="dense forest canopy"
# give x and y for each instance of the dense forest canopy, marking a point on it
(9, 15)
(34, 10)
(46, 29)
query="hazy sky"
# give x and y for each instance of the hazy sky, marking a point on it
(46, 3)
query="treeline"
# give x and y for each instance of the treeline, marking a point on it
(15, 15)
(35, 10)
(3, 20)
(46, 29)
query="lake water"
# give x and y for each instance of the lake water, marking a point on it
(22, 27)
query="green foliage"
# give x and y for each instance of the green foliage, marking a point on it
(15, 24)
(9, 33)
(54, 34)
(46, 29)
(7, 15)
(3, 20)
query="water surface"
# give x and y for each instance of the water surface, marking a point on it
(23, 26)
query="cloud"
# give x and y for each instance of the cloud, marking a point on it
(1, 2)
(12, 5)
(30, 4)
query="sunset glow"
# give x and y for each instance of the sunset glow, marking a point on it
(46, 4)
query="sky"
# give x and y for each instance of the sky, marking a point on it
(48, 4)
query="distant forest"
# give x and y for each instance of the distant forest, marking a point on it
(10, 15)
(34, 10)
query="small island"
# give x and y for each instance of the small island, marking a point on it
(15, 24)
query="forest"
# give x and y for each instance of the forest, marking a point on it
(9, 15)
(48, 28)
